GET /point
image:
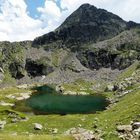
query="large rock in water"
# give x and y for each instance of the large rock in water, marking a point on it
(86, 24)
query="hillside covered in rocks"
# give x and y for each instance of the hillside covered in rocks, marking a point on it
(89, 43)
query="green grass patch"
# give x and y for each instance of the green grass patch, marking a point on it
(128, 71)
(35, 137)
(81, 85)
(124, 111)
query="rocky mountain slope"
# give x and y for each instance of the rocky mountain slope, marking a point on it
(89, 44)
(86, 24)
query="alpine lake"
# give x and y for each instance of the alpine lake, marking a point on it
(46, 100)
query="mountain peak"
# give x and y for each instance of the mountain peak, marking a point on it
(86, 24)
(86, 5)
(84, 12)
(87, 13)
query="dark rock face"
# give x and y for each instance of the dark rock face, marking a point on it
(89, 24)
(34, 68)
(96, 60)
(104, 59)
(17, 70)
(132, 24)
(86, 24)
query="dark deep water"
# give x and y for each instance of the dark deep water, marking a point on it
(47, 101)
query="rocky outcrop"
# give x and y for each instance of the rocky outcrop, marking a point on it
(129, 132)
(17, 70)
(2, 103)
(122, 85)
(82, 134)
(2, 124)
(123, 128)
(104, 58)
(14, 118)
(53, 130)
(136, 125)
(109, 88)
(36, 68)
(37, 126)
(75, 93)
(1, 77)
(19, 96)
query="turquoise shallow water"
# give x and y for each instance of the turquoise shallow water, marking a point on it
(48, 102)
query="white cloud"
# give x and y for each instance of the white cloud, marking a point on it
(17, 25)
(50, 14)
(15, 22)
(51, 9)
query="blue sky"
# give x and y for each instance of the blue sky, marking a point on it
(32, 7)
(28, 19)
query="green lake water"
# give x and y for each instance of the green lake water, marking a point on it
(47, 101)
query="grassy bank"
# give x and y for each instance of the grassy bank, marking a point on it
(123, 112)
